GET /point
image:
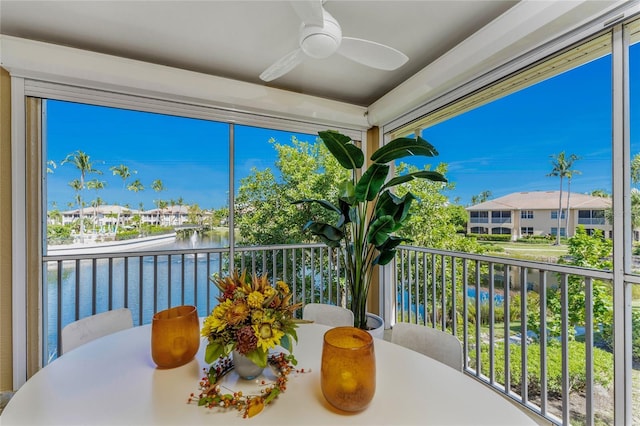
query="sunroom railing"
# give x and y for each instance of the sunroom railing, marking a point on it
(548, 371)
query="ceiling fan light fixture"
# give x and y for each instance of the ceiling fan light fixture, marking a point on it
(319, 46)
(320, 42)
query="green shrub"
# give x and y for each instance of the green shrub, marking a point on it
(537, 239)
(491, 237)
(58, 234)
(602, 367)
(127, 235)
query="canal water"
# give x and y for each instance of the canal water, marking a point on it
(189, 285)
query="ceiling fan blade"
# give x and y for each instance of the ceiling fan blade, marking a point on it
(372, 54)
(283, 65)
(309, 11)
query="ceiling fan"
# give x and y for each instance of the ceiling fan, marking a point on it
(321, 37)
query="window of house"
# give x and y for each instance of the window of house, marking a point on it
(479, 217)
(501, 231)
(479, 230)
(526, 214)
(591, 217)
(501, 216)
(554, 214)
(526, 230)
(563, 231)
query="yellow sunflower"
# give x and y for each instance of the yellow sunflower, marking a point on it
(217, 321)
(255, 299)
(268, 336)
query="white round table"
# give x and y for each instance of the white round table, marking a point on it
(113, 381)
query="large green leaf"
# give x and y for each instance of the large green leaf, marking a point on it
(214, 351)
(387, 204)
(371, 181)
(329, 234)
(344, 213)
(380, 230)
(422, 174)
(392, 242)
(340, 146)
(403, 147)
(327, 205)
(347, 192)
(384, 257)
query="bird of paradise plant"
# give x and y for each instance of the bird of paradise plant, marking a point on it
(368, 212)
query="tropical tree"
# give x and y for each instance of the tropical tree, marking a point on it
(434, 222)
(264, 213)
(162, 204)
(125, 173)
(96, 185)
(561, 168)
(481, 198)
(157, 186)
(635, 169)
(82, 162)
(569, 175)
(586, 251)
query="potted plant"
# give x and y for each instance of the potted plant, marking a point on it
(368, 212)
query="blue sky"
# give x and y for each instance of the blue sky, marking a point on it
(502, 147)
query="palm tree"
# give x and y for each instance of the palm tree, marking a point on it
(569, 175)
(161, 206)
(561, 168)
(180, 202)
(97, 185)
(157, 186)
(124, 173)
(82, 162)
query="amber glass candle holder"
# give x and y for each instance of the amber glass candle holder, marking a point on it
(175, 336)
(348, 372)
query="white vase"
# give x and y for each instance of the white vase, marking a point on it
(245, 368)
(375, 325)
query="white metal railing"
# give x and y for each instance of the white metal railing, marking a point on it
(432, 287)
(438, 289)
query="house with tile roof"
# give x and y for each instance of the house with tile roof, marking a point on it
(522, 214)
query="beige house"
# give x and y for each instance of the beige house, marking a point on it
(521, 214)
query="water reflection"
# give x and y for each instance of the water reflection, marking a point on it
(144, 284)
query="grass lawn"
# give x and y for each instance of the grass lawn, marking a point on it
(545, 252)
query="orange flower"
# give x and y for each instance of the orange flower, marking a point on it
(237, 312)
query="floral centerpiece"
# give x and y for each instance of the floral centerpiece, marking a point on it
(251, 318)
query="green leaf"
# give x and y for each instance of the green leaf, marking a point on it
(422, 174)
(347, 192)
(348, 155)
(403, 147)
(384, 257)
(344, 216)
(390, 205)
(380, 230)
(258, 357)
(371, 182)
(327, 205)
(285, 342)
(329, 234)
(392, 242)
(214, 351)
(274, 393)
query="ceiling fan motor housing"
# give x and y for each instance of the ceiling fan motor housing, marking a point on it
(320, 42)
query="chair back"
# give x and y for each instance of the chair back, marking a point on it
(87, 329)
(321, 313)
(436, 344)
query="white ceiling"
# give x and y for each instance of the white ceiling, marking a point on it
(239, 39)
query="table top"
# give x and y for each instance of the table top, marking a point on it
(114, 381)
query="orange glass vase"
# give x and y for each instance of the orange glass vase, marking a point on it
(348, 372)
(175, 336)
